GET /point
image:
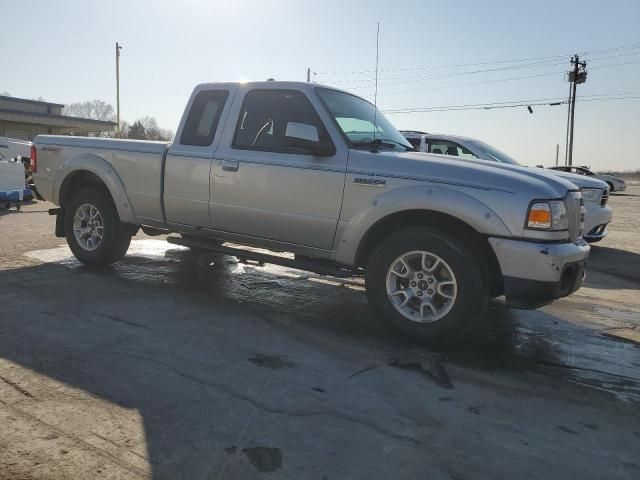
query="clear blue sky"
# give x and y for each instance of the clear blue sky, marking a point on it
(64, 52)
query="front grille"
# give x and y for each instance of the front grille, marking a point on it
(575, 214)
(605, 198)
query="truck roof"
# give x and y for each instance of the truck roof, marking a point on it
(270, 84)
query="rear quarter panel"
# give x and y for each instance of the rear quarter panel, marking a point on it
(132, 170)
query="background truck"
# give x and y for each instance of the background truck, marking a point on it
(595, 193)
(299, 167)
(14, 149)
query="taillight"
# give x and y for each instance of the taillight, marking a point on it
(34, 159)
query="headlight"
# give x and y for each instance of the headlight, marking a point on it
(550, 215)
(591, 194)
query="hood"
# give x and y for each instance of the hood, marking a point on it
(535, 183)
(610, 177)
(581, 181)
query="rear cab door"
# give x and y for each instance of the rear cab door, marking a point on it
(188, 162)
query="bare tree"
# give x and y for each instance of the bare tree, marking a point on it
(124, 130)
(145, 128)
(137, 131)
(153, 131)
(92, 109)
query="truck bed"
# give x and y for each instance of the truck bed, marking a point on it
(142, 161)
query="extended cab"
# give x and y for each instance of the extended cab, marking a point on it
(298, 167)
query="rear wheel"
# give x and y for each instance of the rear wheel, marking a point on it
(426, 284)
(93, 229)
(610, 186)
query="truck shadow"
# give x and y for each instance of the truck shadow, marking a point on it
(172, 335)
(622, 264)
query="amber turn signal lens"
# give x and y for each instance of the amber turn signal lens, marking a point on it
(540, 217)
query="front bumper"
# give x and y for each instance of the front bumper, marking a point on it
(535, 274)
(596, 219)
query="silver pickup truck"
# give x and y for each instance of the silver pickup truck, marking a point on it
(300, 168)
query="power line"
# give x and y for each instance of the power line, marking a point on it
(594, 59)
(485, 82)
(631, 97)
(417, 78)
(479, 107)
(516, 103)
(454, 74)
(616, 64)
(472, 105)
(494, 62)
(557, 72)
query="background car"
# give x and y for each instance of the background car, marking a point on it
(13, 148)
(616, 184)
(595, 192)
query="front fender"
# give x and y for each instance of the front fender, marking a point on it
(444, 200)
(103, 170)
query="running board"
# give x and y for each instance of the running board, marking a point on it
(320, 267)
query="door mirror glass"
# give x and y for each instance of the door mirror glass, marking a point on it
(302, 131)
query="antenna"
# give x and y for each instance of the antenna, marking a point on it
(375, 97)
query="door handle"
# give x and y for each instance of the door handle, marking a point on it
(230, 165)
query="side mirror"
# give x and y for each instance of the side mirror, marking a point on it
(306, 137)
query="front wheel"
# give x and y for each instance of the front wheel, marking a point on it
(426, 284)
(93, 229)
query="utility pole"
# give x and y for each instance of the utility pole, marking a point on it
(118, 48)
(308, 75)
(566, 139)
(557, 152)
(576, 76)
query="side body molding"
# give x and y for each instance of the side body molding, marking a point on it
(103, 170)
(440, 199)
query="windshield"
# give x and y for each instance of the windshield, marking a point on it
(356, 117)
(494, 153)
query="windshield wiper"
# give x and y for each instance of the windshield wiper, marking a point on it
(381, 142)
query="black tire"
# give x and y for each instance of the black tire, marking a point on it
(610, 186)
(116, 235)
(472, 297)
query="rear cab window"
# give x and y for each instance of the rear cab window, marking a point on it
(203, 118)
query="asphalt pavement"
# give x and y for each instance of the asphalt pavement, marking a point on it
(176, 364)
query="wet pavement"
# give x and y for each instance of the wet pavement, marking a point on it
(177, 364)
(510, 339)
